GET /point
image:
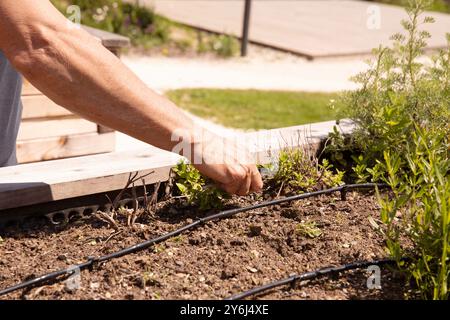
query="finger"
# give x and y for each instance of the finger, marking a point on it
(256, 180)
(236, 177)
(246, 183)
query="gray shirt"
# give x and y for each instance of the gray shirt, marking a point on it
(10, 111)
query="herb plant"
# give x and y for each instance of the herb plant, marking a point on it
(197, 189)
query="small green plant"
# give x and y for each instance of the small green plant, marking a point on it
(197, 189)
(308, 229)
(139, 23)
(301, 172)
(419, 211)
(223, 45)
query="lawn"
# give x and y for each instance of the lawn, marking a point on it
(435, 5)
(254, 109)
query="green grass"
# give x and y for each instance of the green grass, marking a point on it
(435, 5)
(253, 109)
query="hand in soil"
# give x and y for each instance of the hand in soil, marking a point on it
(234, 178)
(229, 166)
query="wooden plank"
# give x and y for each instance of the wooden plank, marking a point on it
(265, 145)
(39, 106)
(61, 179)
(64, 147)
(42, 182)
(110, 40)
(28, 89)
(34, 129)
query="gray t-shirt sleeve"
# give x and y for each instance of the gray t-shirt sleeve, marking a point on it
(10, 111)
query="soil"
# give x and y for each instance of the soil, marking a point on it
(215, 261)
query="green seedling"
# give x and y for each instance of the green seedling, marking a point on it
(197, 189)
(301, 172)
(308, 229)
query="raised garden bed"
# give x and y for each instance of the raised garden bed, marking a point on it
(214, 261)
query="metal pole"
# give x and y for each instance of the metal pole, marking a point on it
(246, 27)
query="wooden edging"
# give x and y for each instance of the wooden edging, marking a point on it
(35, 183)
(110, 40)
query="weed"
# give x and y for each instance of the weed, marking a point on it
(308, 229)
(178, 239)
(301, 172)
(197, 189)
(223, 45)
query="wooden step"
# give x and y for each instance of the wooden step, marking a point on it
(56, 127)
(64, 147)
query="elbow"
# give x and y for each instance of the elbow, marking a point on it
(23, 60)
(31, 52)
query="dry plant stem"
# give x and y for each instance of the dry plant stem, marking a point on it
(154, 199)
(281, 189)
(108, 219)
(145, 194)
(113, 235)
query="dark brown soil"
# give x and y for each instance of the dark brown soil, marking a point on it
(212, 262)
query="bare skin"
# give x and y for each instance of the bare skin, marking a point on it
(77, 72)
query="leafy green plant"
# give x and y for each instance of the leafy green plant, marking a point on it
(397, 91)
(301, 172)
(402, 113)
(223, 45)
(436, 5)
(139, 23)
(419, 211)
(308, 229)
(197, 189)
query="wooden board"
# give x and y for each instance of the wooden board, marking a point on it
(39, 106)
(64, 147)
(62, 179)
(35, 129)
(28, 89)
(110, 40)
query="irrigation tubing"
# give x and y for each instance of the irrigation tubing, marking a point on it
(309, 276)
(93, 261)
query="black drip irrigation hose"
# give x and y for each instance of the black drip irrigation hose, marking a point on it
(310, 276)
(93, 261)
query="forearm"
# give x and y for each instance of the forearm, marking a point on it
(77, 72)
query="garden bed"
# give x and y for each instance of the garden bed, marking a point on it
(214, 261)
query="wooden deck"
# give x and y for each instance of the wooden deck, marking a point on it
(310, 28)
